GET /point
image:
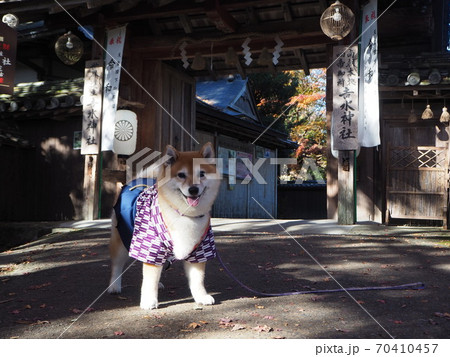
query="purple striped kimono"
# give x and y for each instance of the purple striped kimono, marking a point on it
(151, 242)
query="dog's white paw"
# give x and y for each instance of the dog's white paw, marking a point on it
(160, 285)
(115, 289)
(149, 304)
(204, 300)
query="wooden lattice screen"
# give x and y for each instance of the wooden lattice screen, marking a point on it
(417, 183)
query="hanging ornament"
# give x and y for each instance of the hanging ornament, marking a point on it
(69, 48)
(445, 116)
(247, 53)
(264, 58)
(199, 62)
(412, 118)
(427, 113)
(11, 20)
(231, 57)
(183, 55)
(337, 21)
(277, 50)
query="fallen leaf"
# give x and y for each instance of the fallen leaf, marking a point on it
(269, 317)
(15, 312)
(36, 287)
(442, 315)
(237, 327)
(259, 306)
(398, 322)
(119, 333)
(279, 337)
(39, 322)
(225, 321)
(77, 311)
(27, 307)
(382, 301)
(264, 328)
(159, 325)
(43, 306)
(203, 322)
(5, 301)
(193, 325)
(342, 330)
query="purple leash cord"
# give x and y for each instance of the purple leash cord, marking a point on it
(414, 286)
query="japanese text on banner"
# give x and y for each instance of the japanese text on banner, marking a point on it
(369, 119)
(345, 98)
(113, 65)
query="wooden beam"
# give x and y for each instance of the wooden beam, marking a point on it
(300, 54)
(188, 7)
(287, 12)
(186, 23)
(253, 16)
(125, 5)
(167, 51)
(220, 17)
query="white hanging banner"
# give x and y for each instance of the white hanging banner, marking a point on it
(125, 130)
(92, 108)
(113, 64)
(369, 119)
(344, 128)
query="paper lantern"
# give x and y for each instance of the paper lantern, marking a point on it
(125, 130)
(337, 21)
(11, 20)
(69, 48)
(445, 116)
(427, 113)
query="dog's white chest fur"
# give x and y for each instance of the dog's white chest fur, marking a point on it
(185, 232)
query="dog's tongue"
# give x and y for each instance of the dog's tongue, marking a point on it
(193, 202)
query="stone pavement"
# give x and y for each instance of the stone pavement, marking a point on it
(53, 286)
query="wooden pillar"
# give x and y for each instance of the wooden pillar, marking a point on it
(92, 171)
(90, 187)
(346, 193)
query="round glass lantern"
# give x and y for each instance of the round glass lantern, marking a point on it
(69, 48)
(337, 21)
(11, 20)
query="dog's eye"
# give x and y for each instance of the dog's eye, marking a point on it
(181, 175)
(202, 174)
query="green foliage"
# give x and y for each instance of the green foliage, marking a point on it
(272, 92)
(297, 103)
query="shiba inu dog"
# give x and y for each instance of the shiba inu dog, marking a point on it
(171, 220)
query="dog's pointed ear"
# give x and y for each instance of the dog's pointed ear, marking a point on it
(171, 154)
(207, 151)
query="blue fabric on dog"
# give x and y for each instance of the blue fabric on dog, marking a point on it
(125, 208)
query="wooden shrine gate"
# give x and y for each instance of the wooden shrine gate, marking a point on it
(417, 183)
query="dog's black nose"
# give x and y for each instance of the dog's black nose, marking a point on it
(193, 190)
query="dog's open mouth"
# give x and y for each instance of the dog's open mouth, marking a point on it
(192, 201)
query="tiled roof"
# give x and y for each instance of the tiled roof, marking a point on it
(224, 95)
(42, 97)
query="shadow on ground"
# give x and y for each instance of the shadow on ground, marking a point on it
(54, 287)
